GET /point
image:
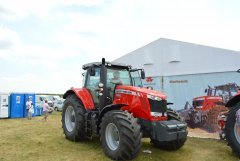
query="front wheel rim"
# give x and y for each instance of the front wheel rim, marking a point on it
(70, 118)
(112, 136)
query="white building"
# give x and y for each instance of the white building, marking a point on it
(184, 70)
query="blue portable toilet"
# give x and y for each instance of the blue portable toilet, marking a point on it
(16, 105)
(30, 96)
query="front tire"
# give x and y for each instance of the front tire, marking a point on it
(73, 122)
(120, 135)
(170, 145)
(233, 131)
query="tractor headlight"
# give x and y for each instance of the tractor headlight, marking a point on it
(154, 97)
(100, 85)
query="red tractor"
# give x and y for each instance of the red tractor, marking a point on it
(120, 111)
(205, 109)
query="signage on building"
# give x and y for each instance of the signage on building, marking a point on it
(153, 83)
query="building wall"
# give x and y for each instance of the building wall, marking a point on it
(183, 88)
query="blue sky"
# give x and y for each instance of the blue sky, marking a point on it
(43, 44)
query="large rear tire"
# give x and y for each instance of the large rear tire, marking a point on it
(170, 145)
(120, 135)
(233, 131)
(73, 122)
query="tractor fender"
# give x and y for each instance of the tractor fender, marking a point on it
(84, 95)
(107, 109)
(233, 101)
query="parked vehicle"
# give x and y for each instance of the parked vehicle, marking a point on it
(54, 99)
(58, 105)
(40, 99)
(121, 113)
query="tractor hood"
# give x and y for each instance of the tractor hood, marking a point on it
(141, 90)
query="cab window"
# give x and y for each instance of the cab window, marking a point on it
(92, 84)
(136, 79)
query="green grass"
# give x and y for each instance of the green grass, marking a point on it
(22, 139)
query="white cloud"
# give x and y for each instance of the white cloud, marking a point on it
(81, 2)
(8, 38)
(24, 8)
(116, 29)
(53, 82)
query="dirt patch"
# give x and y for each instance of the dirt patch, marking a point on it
(200, 133)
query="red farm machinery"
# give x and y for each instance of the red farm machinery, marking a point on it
(120, 113)
(205, 109)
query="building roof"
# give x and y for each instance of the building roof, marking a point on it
(165, 57)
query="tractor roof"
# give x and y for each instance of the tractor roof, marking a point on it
(108, 64)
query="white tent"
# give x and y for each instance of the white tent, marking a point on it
(165, 57)
(184, 70)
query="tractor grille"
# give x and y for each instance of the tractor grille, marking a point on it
(158, 106)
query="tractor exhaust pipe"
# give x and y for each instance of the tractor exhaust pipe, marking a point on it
(103, 61)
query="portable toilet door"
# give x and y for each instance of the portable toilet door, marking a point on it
(31, 97)
(16, 105)
(4, 108)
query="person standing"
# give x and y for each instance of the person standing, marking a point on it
(30, 111)
(28, 106)
(45, 110)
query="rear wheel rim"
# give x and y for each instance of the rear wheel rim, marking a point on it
(112, 136)
(237, 132)
(70, 118)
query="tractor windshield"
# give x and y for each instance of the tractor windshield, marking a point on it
(136, 79)
(118, 76)
(234, 90)
(198, 103)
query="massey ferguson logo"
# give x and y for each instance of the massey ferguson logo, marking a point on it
(149, 79)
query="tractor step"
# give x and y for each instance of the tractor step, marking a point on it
(90, 123)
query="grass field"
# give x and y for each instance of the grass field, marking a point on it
(22, 139)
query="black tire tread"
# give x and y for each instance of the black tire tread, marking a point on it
(79, 132)
(173, 115)
(130, 135)
(230, 136)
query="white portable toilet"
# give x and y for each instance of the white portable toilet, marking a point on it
(4, 107)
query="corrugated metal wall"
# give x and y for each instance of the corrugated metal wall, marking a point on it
(183, 88)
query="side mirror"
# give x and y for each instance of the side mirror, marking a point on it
(238, 70)
(92, 71)
(205, 90)
(142, 74)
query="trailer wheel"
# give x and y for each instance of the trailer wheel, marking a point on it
(233, 130)
(170, 145)
(120, 135)
(73, 118)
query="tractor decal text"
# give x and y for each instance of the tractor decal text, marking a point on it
(123, 91)
(178, 81)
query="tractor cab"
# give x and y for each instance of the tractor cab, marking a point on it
(102, 78)
(226, 91)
